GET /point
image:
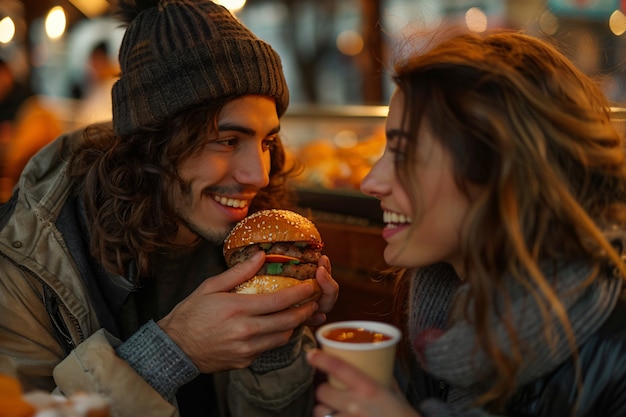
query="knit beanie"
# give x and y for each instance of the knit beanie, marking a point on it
(176, 54)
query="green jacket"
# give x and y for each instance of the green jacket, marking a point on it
(52, 335)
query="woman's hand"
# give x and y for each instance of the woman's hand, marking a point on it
(362, 397)
(330, 292)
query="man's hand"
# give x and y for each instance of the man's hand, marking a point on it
(330, 292)
(220, 330)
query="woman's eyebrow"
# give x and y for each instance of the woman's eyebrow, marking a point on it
(393, 133)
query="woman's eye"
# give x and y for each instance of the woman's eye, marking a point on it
(397, 153)
(392, 146)
(396, 145)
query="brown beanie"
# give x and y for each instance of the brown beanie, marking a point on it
(182, 53)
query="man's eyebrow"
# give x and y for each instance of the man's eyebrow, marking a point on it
(231, 127)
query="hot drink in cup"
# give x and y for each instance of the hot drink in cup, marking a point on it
(368, 345)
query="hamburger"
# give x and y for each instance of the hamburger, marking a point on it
(292, 246)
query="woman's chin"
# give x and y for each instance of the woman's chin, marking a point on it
(399, 257)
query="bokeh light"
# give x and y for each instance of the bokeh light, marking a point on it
(350, 43)
(55, 22)
(232, 5)
(7, 30)
(476, 20)
(617, 22)
(548, 23)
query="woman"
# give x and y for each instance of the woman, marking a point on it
(502, 185)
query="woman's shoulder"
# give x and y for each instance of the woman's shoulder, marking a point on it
(602, 357)
(602, 365)
(612, 334)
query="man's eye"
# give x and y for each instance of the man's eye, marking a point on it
(269, 143)
(230, 142)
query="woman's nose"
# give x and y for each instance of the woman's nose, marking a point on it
(376, 182)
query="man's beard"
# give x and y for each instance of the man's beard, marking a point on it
(215, 237)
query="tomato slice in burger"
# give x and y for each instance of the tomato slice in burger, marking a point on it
(277, 257)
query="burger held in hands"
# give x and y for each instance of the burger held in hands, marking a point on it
(292, 246)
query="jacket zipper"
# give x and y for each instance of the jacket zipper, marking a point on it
(52, 304)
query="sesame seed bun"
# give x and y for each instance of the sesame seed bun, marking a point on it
(264, 284)
(280, 233)
(270, 226)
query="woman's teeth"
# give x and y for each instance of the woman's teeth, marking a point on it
(231, 202)
(395, 218)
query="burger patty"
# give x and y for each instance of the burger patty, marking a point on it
(306, 254)
(299, 271)
(309, 256)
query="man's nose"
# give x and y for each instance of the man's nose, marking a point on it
(254, 168)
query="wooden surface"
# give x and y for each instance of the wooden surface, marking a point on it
(356, 255)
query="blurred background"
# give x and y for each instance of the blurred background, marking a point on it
(60, 61)
(333, 50)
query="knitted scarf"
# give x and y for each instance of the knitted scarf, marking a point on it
(448, 350)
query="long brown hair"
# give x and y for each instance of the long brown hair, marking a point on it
(535, 135)
(127, 184)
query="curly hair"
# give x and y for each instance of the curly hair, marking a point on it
(127, 184)
(535, 134)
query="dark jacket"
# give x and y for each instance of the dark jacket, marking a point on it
(602, 362)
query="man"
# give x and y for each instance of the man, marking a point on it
(107, 245)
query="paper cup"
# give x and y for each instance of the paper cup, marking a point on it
(373, 358)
